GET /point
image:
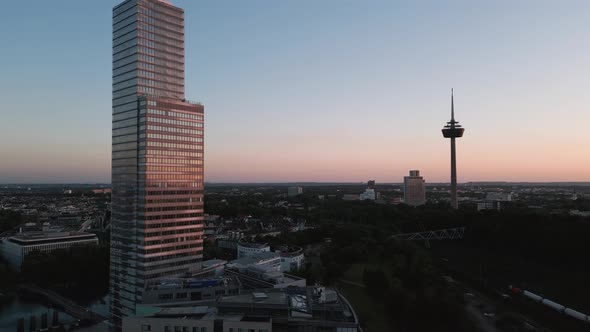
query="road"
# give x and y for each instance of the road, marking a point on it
(476, 304)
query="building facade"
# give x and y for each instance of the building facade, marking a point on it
(292, 258)
(190, 292)
(369, 193)
(294, 191)
(414, 189)
(15, 248)
(499, 196)
(489, 205)
(248, 248)
(157, 154)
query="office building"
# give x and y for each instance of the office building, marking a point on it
(350, 197)
(157, 154)
(294, 191)
(489, 205)
(414, 189)
(499, 196)
(15, 249)
(369, 193)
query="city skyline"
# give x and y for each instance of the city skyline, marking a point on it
(303, 102)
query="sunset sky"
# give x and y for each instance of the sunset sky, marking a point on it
(307, 90)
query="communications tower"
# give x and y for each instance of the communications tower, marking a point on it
(453, 130)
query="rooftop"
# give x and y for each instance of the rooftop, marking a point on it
(316, 304)
(255, 258)
(213, 263)
(272, 298)
(250, 244)
(289, 251)
(40, 237)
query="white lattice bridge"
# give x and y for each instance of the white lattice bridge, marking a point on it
(439, 234)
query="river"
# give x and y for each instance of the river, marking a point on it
(18, 306)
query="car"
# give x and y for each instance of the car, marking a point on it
(489, 314)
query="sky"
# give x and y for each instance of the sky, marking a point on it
(307, 90)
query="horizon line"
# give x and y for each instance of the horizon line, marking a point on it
(302, 182)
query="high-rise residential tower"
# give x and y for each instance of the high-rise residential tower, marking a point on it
(453, 130)
(157, 158)
(414, 189)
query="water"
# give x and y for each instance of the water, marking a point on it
(101, 306)
(19, 307)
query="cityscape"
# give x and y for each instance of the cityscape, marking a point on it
(296, 220)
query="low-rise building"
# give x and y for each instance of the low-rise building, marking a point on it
(248, 248)
(189, 291)
(499, 196)
(579, 213)
(292, 258)
(262, 270)
(294, 191)
(290, 309)
(489, 205)
(181, 319)
(350, 197)
(14, 249)
(368, 194)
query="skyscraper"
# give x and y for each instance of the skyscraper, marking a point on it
(453, 130)
(157, 158)
(414, 189)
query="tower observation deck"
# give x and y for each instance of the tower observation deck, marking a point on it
(453, 130)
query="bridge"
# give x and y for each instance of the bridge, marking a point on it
(439, 234)
(70, 307)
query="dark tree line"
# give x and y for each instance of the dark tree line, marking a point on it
(9, 220)
(80, 272)
(399, 275)
(546, 238)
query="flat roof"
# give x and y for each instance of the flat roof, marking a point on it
(200, 310)
(213, 263)
(276, 298)
(243, 242)
(48, 237)
(256, 258)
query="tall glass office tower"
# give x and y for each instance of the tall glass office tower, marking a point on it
(157, 159)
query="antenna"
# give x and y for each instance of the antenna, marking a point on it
(452, 107)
